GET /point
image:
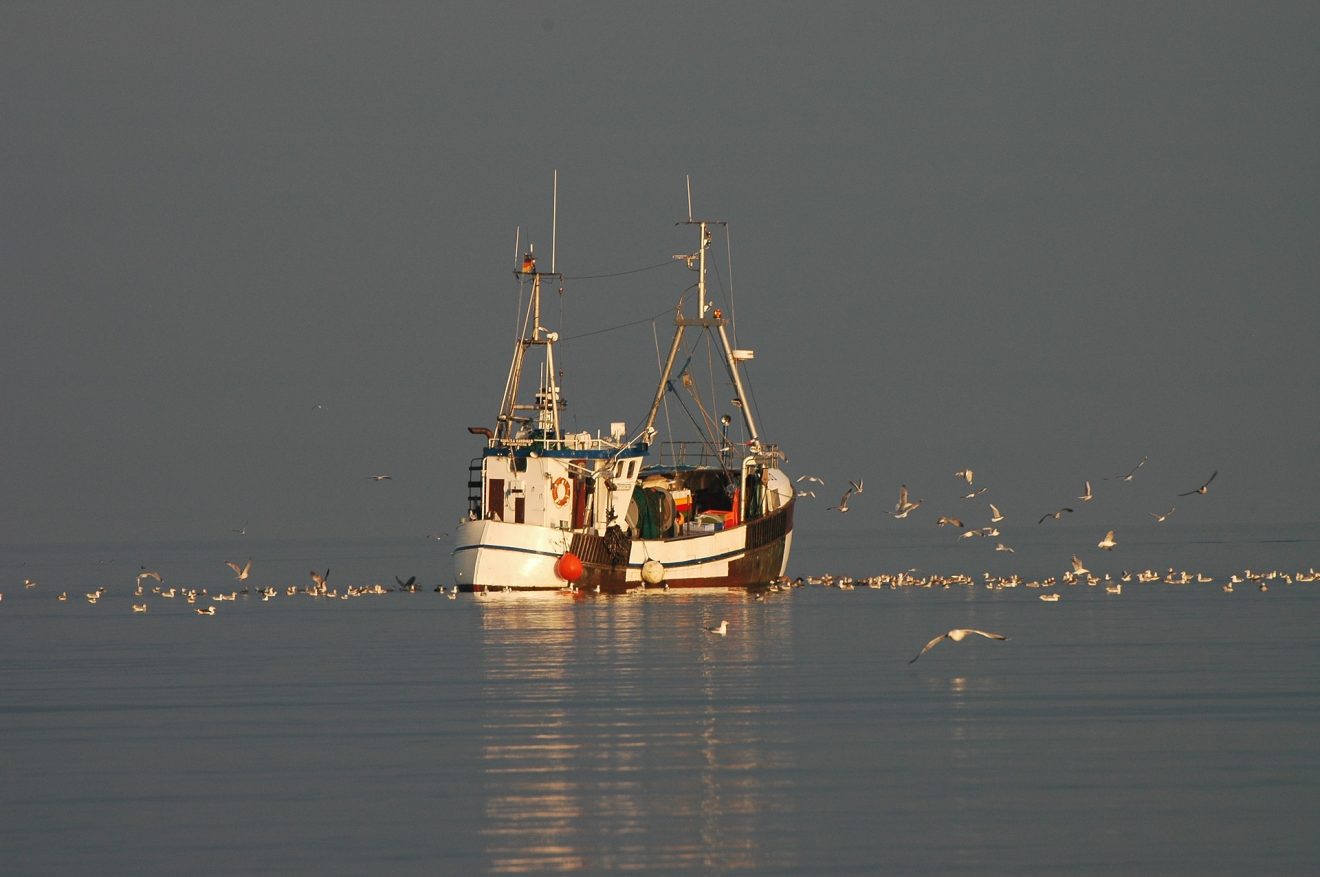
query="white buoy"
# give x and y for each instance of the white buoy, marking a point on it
(653, 572)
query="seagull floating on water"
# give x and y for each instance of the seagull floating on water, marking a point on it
(958, 634)
(722, 630)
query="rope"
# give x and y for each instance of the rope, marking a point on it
(619, 273)
(616, 328)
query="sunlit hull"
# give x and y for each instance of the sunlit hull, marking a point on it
(496, 556)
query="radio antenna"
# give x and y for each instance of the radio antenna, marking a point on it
(554, 224)
(688, 177)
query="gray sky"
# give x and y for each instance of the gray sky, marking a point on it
(1040, 240)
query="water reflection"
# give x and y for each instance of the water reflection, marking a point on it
(617, 733)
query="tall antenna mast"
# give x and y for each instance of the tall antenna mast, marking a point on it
(688, 177)
(554, 224)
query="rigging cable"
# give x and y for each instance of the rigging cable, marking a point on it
(616, 328)
(620, 273)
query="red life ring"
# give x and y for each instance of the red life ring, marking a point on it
(560, 491)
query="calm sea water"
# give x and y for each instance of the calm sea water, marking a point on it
(1169, 730)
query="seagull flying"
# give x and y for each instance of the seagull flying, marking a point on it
(1078, 569)
(843, 501)
(1161, 518)
(240, 572)
(1087, 495)
(381, 477)
(965, 474)
(1128, 475)
(995, 515)
(904, 506)
(1108, 542)
(817, 479)
(958, 634)
(1054, 514)
(1201, 490)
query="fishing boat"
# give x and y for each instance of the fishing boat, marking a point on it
(574, 512)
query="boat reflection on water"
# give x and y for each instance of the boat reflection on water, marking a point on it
(618, 733)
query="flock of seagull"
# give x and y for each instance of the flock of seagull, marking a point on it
(1077, 575)
(906, 505)
(319, 588)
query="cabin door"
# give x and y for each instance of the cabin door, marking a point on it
(495, 499)
(581, 500)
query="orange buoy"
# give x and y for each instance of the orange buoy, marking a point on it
(568, 567)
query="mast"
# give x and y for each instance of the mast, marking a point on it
(716, 320)
(547, 401)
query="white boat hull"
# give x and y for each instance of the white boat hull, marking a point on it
(495, 556)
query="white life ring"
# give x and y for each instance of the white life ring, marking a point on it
(560, 491)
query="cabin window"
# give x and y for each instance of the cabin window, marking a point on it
(519, 464)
